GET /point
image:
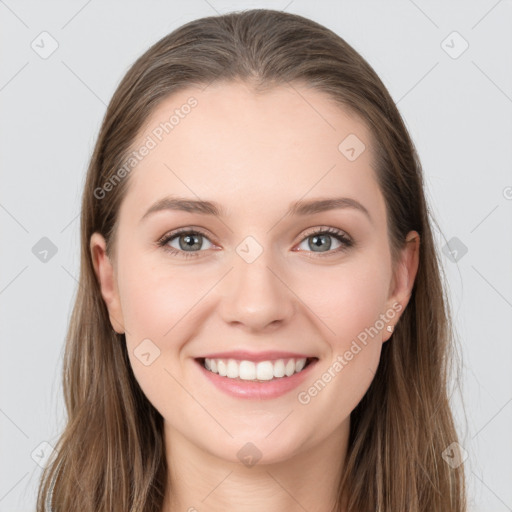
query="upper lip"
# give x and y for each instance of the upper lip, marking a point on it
(244, 355)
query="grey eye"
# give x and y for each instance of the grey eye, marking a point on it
(321, 241)
(188, 242)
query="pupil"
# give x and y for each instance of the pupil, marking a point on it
(318, 239)
(190, 241)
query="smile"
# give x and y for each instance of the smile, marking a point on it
(256, 380)
(260, 371)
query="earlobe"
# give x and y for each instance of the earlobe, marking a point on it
(404, 278)
(104, 271)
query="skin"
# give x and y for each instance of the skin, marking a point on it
(253, 154)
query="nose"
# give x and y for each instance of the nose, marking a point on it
(256, 296)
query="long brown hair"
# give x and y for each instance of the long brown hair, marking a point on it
(110, 457)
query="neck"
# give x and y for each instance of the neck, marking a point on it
(308, 480)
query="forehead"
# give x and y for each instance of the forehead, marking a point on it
(227, 142)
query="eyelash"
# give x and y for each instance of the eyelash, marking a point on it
(336, 233)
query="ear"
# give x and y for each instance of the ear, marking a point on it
(403, 278)
(107, 280)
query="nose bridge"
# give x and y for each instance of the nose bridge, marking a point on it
(253, 294)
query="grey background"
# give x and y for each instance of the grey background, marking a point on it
(458, 111)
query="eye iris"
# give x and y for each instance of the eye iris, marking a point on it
(318, 239)
(193, 238)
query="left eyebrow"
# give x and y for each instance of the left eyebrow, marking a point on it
(301, 207)
(321, 205)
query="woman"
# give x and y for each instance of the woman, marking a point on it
(223, 354)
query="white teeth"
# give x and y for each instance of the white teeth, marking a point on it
(221, 367)
(279, 368)
(233, 371)
(264, 370)
(248, 370)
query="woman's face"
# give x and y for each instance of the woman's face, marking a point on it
(258, 280)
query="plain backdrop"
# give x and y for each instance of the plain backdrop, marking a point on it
(446, 64)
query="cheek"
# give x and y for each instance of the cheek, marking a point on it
(155, 300)
(352, 353)
(157, 308)
(347, 300)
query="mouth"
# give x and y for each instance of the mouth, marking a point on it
(256, 371)
(256, 380)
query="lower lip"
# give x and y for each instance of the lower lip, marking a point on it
(257, 390)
